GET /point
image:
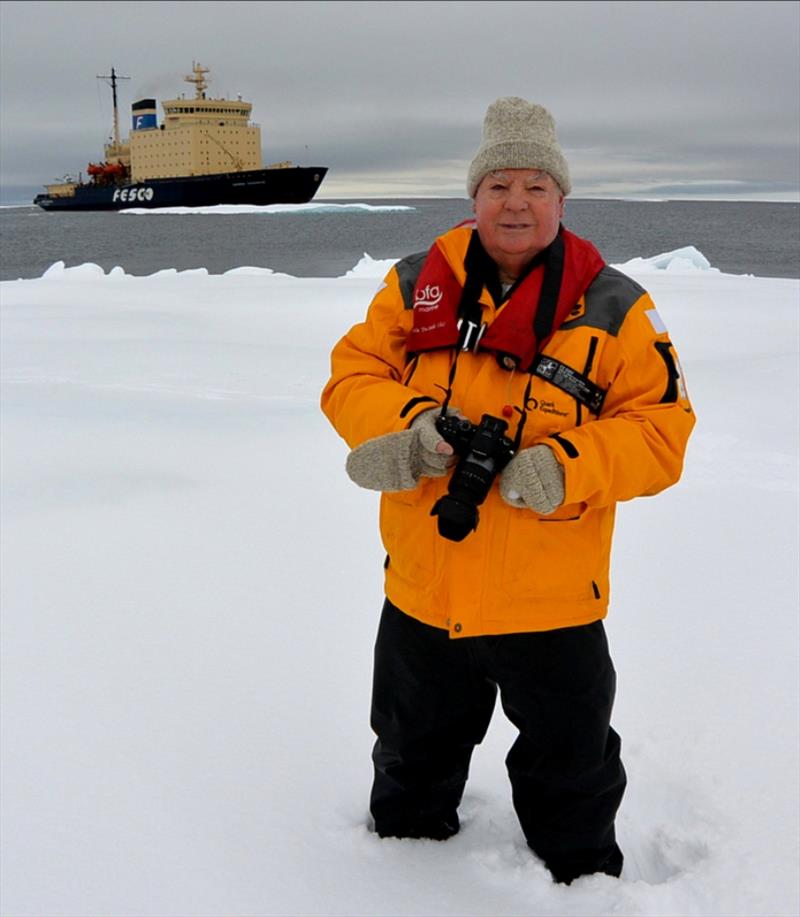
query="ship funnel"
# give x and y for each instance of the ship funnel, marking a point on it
(143, 115)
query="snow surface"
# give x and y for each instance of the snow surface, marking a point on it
(191, 587)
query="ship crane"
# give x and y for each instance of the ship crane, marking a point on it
(237, 163)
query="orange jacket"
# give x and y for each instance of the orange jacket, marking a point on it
(518, 571)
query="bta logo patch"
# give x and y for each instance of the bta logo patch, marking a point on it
(133, 194)
(428, 297)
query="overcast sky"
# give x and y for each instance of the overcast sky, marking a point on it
(655, 99)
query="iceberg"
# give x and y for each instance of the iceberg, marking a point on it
(680, 261)
(267, 209)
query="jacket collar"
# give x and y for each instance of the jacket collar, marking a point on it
(458, 278)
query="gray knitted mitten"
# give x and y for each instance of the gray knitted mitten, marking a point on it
(533, 479)
(396, 461)
(427, 461)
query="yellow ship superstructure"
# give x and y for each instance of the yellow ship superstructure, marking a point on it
(198, 136)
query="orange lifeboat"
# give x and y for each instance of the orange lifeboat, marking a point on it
(106, 169)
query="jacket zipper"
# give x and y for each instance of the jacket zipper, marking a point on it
(586, 370)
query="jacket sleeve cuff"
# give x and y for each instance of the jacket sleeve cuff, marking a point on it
(413, 408)
(566, 454)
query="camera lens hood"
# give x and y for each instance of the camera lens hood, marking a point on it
(454, 518)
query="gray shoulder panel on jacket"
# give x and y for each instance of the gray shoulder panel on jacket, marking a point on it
(609, 298)
(407, 272)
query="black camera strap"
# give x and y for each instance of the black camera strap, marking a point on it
(480, 270)
(448, 392)
(523, 414)
(551, 287)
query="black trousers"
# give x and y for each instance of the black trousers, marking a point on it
(432, 701)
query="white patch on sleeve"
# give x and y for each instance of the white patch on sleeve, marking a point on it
(656, 321)
(681, 386)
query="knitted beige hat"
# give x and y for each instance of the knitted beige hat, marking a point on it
(518, 135)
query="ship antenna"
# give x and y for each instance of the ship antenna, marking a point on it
(198, 78)
(113, 83)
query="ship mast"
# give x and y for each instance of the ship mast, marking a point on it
(113, 78)
(199, 80)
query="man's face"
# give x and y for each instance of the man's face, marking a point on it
(517, 212)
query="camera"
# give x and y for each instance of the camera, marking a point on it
(483, 451)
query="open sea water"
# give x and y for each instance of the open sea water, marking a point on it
(737, 238)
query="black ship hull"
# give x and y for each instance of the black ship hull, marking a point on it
(290, 185)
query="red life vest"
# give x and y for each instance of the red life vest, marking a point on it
(439, 295)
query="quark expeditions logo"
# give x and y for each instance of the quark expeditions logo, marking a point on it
(132, 195)
(428, 297)
(545, 407)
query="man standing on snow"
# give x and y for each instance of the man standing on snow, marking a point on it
(506, 389)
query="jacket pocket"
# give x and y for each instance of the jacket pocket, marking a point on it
(409, 535)
(572, 512)
(552, 558)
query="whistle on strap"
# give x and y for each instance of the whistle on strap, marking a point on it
(470, 334)
(569, 380)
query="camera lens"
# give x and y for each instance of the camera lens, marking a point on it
(485, 451)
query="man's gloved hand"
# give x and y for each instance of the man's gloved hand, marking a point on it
(397, 461)
(533, 479)
(433, 456)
